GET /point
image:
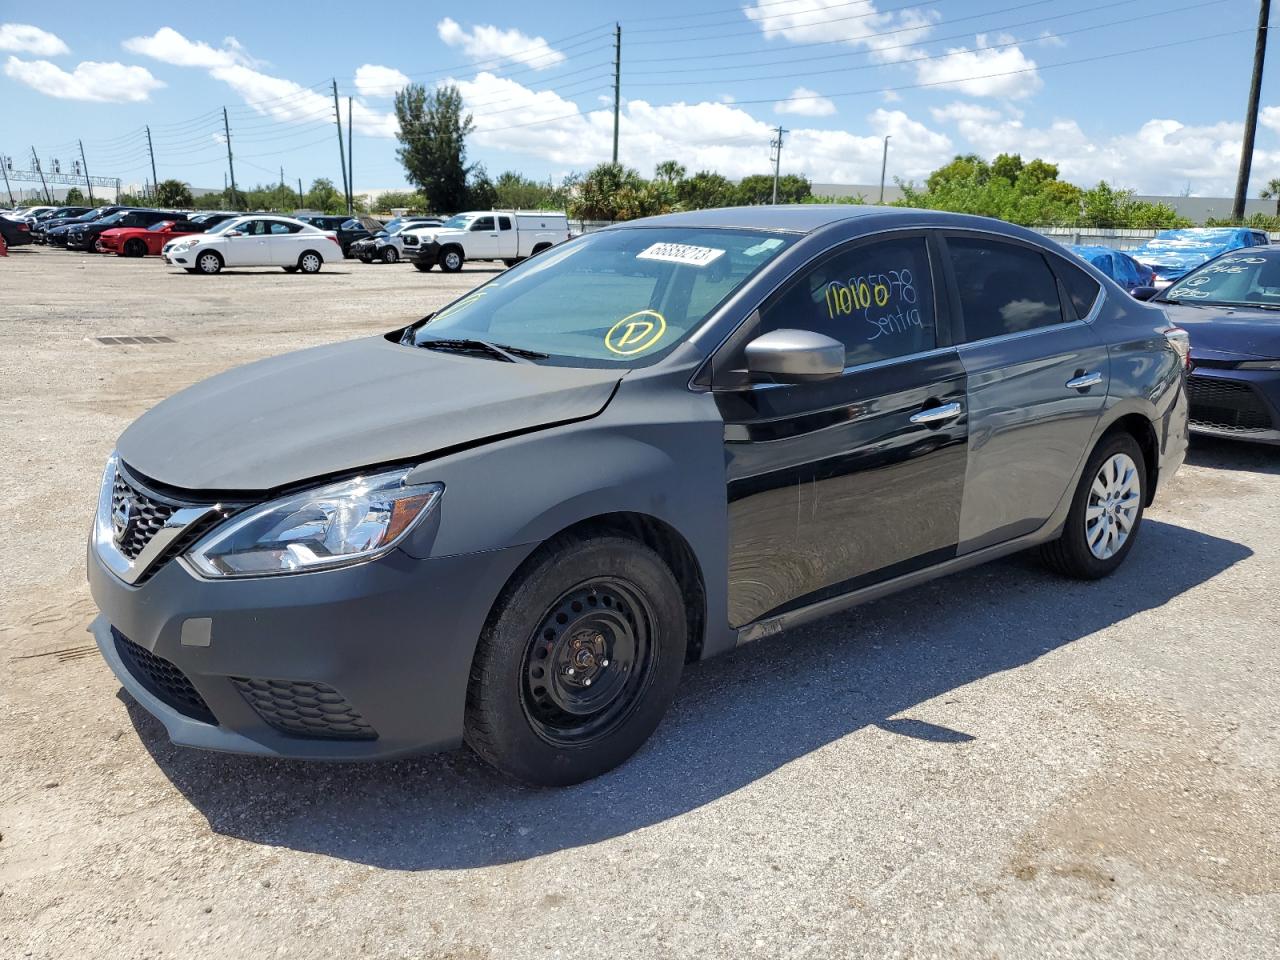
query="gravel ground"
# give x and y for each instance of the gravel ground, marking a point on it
(1000, 764)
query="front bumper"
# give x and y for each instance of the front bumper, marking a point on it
(1235, 404)
(424, 254)
(389, 642)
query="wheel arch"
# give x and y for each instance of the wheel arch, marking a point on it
(661, 537)
(1143, 431)
(310, 250)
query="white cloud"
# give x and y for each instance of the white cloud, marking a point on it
(1269, 117)
(887, 35)
(24, 38)
(984, 71)
(291, 102)
(492, 43)
(169, 46)
(91, 81)
(705, 135)
(1050, 39)
(1160, 157)
(373, 80)
(804, 102)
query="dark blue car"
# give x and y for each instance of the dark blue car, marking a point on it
(1231, 308)
(1120, 267)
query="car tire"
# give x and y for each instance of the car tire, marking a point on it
(1106, 511)
(607, 605)
(310, 262)
(390, 255)
(451, 260)
(209, 262)
(424, 267)
(135, 248)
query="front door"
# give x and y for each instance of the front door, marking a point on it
(842, 483)
(252, 248)
(482, 239)
(1038, 378)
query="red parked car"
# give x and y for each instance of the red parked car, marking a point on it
(143, 241)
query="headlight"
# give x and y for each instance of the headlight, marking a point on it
(332, 526)
(1259, 365)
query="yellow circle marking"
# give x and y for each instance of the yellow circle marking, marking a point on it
(632, 335)
(882, 294)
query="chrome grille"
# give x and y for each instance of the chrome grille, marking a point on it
(146, 516)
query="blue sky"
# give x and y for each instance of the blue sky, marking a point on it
(703, 83)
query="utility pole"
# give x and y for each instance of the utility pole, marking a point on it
(342, 152)
(302, 201)
(84, 165)
(351, 170)
(777, 161)
(617, 84)
(884, 165)
(226, 127)
(150, 150)
(47, 198)
(1251, 115)
(4, 168)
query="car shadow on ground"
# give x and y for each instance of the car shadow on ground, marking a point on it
(1223, 454)
(737, 718)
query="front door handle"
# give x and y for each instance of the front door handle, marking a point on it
(932, 415)
(1084, 381)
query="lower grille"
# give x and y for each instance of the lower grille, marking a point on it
(305, 709)
(162, 679)
(1226, 405)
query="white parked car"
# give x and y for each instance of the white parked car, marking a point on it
(258, 240)
(506, 235)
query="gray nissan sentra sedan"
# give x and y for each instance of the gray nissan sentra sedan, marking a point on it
(512, 523)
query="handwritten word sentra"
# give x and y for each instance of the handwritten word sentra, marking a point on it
(894, 290)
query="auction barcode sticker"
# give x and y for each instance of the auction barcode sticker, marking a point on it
(680, 253)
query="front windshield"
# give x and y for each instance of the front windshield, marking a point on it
(113, 218)
(1245, 278)
(224, 225)
(458, 222)
(616, 298)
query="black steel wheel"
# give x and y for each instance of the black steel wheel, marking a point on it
(587, 661)
(578, 662)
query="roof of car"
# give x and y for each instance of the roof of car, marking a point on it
(809, 217)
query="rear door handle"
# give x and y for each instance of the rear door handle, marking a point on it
(948, 411)
(1084, 381)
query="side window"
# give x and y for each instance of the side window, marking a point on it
(1004, 288)
(482, 223)
(875, 298)
(1082, 289)
(504, 223)
(279, 228)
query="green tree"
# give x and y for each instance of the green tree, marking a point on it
(669, 171)
(173, 193)
(1270, 192)
(758, 189)
(401, 199)
(481, 193)
(599, 194)
(517, 192)
(433, 134)
(705, 190)
(74, 197)
(324, 196)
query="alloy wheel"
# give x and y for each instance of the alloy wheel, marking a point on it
(1114, 500)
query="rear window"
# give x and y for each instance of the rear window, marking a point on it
(1082, 289)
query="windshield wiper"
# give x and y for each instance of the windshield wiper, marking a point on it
(501, 351)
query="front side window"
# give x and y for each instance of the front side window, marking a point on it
(875, 298)
(482, 223)
(617, 298)
(1004, 288)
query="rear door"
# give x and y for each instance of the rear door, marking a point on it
(842, 483)
(1037, 379)
(285, 241)
(508, 246)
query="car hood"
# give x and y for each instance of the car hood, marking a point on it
(1227, 333)
(322, 411)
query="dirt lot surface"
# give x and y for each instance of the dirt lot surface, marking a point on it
(1000, 764)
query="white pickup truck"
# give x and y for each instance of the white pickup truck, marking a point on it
(506, 235)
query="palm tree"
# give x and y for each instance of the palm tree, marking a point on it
(1272, 192)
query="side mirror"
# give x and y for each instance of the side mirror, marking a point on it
(234, 233)
(1143, 293)
(795, 356)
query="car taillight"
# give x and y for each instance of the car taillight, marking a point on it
(1180, 340)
